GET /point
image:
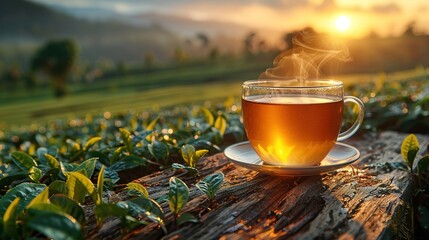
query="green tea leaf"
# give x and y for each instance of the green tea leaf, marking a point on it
(52, 161)
(43, 197)
(56, 226)
(100, 185)
(126, 138)
(128, 163)
(64, 170)
(149, 208)
(152, 124)
(91, 143)
(9, 218)
(88, 165)
(216, 135)
(422, 165)
(51, 175)
(187, 217)
(70, 167)
(410, 142)
(158, 150)
(69, 206)
(78, 185)
(35, 174)
(211, 184)
(188, 151)
(191, 170)
(25, 191)
(220, 124)
(46, 207)
(198, 155)
(40, 153)
(116, 154)
(178, 195)
(411, 155)
(58, 186)
(132, 186)
(111, 177)
(75, 147)
(131, 223)
(190, 156)
(106, 210)
(103, 158)
(23, 160)
(208, 116)
(6, 181)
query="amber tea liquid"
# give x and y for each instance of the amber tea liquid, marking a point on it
(292, 130)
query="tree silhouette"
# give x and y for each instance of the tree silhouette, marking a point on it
(204, 39)
(204, 44)
(179, 55)
(249, 43)
(56, 58)
(214, 54)
(254, 44)
(410, 29)
(287, 39)
(11, 78)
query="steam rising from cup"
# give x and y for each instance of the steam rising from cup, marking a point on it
(309, 52)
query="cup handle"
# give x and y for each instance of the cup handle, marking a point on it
(352, 130)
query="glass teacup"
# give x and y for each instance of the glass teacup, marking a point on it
(293, 122)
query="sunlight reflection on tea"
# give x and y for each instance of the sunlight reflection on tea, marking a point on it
(289, 154)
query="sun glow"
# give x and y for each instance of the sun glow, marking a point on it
(342, 23)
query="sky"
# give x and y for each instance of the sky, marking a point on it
(359, 17)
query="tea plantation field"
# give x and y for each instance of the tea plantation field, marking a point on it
(152, 91)
(58, 155)
(137, 92)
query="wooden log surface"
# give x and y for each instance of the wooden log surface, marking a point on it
(369, 199)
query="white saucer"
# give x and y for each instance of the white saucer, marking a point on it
(243, 154)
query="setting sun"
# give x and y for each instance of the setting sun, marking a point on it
(342, 23)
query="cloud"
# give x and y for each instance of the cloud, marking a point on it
(269, 3)
(291, 4)
(386, 9)
(422, 8)
(327, 5)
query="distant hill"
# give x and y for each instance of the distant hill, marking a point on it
(387, 54)
(28, 22)
(186, 25)
(25, 25)
(179, 24)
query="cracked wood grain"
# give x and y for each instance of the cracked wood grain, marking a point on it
(369, 200)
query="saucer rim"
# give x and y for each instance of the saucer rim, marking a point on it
(291, 169)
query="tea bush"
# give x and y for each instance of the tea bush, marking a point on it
(47, 171)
